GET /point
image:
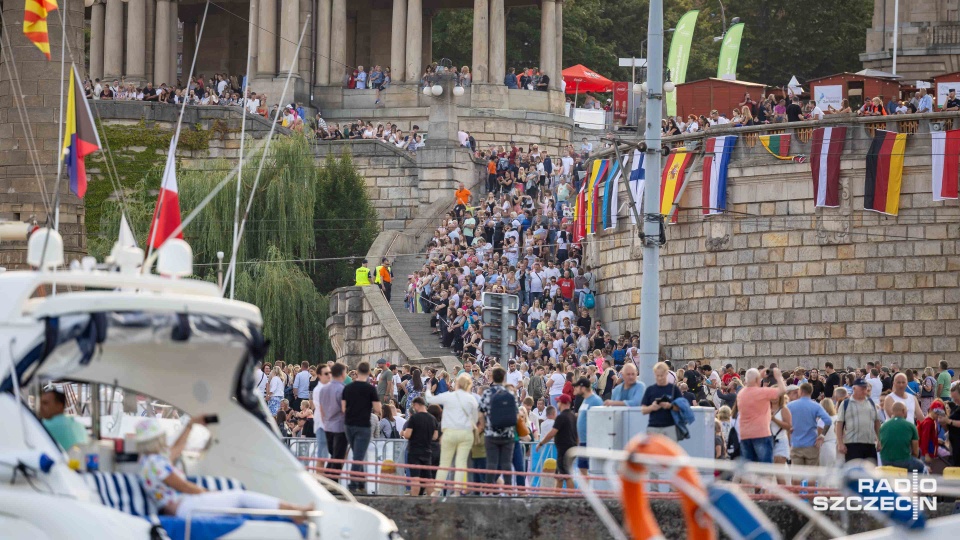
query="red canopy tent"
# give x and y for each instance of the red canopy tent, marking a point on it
(579, 77)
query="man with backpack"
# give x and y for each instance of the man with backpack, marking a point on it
(858, 425)
(498, 419)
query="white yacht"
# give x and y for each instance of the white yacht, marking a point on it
(177, 341)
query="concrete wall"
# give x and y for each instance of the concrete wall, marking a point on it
(776, 279)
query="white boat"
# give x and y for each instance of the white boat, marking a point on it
(175, 340)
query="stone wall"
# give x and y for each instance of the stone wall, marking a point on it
(776, 279)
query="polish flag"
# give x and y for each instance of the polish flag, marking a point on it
(945, 163)
(166, 215)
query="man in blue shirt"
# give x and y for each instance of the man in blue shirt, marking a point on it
(807, 435)
(926, 102)
(301, 386)
(583, 389)
(510, 81)
(658, 403)
(630, 392)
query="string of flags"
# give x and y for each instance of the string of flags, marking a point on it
(596, 204)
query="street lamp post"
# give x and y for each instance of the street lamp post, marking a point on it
(723, 16)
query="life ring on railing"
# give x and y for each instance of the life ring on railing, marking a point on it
(640, 520)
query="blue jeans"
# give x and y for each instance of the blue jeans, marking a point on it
(759, 450)
(322, 452)
(518, 464)
(358, 437)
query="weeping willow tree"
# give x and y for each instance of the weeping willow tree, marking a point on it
(294, 227)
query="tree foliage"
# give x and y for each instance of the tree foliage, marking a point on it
(807, 39)
(302, 215)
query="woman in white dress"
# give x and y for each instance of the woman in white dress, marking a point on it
(828, 450)
(780, 427)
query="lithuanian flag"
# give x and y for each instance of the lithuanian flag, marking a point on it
(779, 147)
(881, 188)
(35, 23)
(672, 180)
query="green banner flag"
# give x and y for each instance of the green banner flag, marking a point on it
(729, 52)
(680, 55)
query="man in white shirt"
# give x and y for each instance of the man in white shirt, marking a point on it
(566, 163)
(555, 384)
(222, 85)
(264, 377)
(97, 89)
(817, 112)
(586, 147)
(324, 378)
(550, 416)
(514, 376)
(566, 312)
(876, 385)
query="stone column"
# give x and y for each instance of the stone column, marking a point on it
(190, 44)
(398, 41)
(289, 35)
(161, 52)
(338, 42)
(548, 37)
(414, 39)
(253, 35)
(267, 40)
(174, 48)
(136, 30)
(498, 42)
(556, 77)
(323, 42)
(481, 29)
(426, 39)
(96, 40)
(113, 41)
(149, 39)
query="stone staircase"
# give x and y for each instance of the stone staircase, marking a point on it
(416, 325)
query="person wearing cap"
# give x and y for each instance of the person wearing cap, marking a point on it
(564, 435)
(858, 425)
(806, 435)
(167, 486)
(793, 391)
(65, 430)
(363, 275)
(900, 441)
(582, 388)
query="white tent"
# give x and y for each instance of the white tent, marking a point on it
(793, 87)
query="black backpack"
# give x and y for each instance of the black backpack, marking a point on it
(733, 444)
(503, 411)
(394, 434)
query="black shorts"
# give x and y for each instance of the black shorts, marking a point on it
(421, 459)
(562, 460)
(381, 87)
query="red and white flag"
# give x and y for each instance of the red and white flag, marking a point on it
(945, 163)
(166, 215)
(825, 151)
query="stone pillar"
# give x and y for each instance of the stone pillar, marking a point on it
(96, 40)
(161, 52)
(174, 49)
(113, 41)
(398, 41)
(548, 37)
(149, 40)
(414, 40)
(426, 39)
(289, 35)
(498, 42)
(136, 29)
(556, 78)
(253, 35)
(323, 42)
(267, 40)
(481, 29)
(338, 42)
(190, 29)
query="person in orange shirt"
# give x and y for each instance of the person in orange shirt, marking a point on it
(463, 196)
(492, 173)
(384, 278)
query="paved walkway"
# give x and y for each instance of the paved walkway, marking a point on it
(416, 325)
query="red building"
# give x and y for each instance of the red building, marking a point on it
(701, 97)
(830, 91)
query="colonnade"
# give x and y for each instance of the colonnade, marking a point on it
(121, 44)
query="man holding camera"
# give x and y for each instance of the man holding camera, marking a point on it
(753, 401)
(658, 403)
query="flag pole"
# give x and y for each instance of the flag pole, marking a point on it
(652, 221)
(63, 60)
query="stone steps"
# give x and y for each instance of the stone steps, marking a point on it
(416, 325)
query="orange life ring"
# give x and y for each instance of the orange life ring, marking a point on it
(640, 520)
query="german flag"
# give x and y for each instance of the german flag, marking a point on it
(35, 23)
(881, 189)
(672, 180)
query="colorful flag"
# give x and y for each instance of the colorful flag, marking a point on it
(594, 208)
(35, 23)
(825, 151)
(638, 170)
(945, 163)
(881, 188)
(80, 137)
(166, 215)
(580, 213)
(672, 180)
(715, 163)
(611, 195)
(778, 145)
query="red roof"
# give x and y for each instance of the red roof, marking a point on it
(582, 79)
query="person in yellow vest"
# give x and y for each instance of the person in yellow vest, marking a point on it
(363, 275)
(384, 278)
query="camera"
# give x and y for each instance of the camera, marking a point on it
(663, 399)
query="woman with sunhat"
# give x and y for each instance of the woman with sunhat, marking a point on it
(173, 494)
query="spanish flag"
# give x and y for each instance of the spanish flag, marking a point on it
(672, 180)
(80, 137)
(35, 23)
(881, 188)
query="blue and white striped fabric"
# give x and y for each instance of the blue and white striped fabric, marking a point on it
(216, 483)
(121, 492)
